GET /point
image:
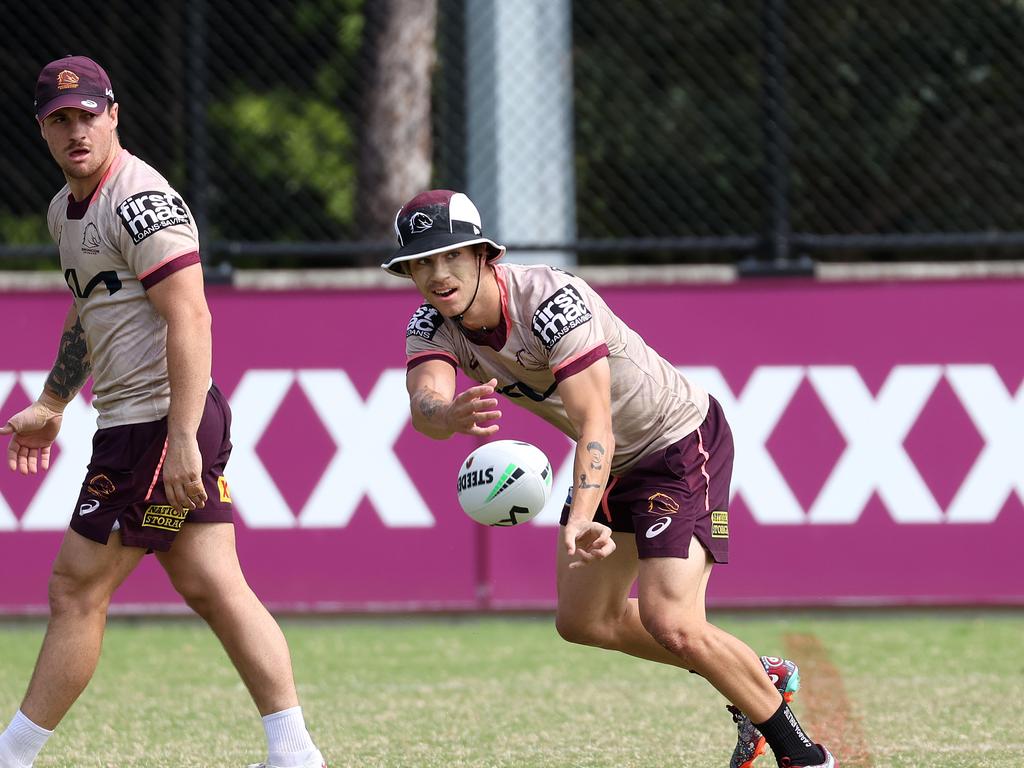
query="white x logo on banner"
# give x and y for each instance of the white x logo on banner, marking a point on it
(875, 430)
(1000, 465)
(253, 405)
(753, 416)
(365, 463)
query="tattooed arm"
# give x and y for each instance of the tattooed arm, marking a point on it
(72, 366)
(587, 399)
(34, 429)
(438, 413)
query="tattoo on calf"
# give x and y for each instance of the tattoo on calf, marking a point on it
(72, 366)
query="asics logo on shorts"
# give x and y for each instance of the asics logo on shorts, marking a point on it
(659, 525)
(90, 506)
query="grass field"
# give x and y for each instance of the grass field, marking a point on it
(919, 690)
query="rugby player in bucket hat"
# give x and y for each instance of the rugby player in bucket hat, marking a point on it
(651, 471)
(434, 222)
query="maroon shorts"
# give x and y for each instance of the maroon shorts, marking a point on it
(677, 493)
(124, 490)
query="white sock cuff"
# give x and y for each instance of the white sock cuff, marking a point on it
(23, 739)
(286, 732)
(22, 723)
(268, 719)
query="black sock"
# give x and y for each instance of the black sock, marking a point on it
(787, 739)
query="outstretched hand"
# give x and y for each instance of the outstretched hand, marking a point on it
(473, 412)
(32, 432)
(587, 540)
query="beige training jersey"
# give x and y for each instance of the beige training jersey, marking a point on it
(130, 234)
(555, 325)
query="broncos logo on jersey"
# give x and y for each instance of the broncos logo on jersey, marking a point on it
(530, 362)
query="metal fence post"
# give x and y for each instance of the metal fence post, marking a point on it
(197, 91)
(775, 127)
(775, 250)
(519, 123)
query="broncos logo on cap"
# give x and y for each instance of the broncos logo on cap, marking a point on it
(420, 222)
(67, 79)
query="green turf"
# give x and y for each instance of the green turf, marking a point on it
(926, 691)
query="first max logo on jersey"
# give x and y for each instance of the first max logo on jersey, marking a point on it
(144, 213)
(559, 314)
(424, 322)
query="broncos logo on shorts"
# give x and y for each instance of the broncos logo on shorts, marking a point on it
(100, 485)
(662, 504)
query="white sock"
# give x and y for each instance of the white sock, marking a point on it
(288, 741)
(22, 740)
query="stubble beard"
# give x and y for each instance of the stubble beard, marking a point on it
(84, 172)
(99, 152)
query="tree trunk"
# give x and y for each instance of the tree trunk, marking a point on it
(397, 145)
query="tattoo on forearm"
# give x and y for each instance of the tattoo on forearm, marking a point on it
(596, 454)
(429, 406)
(72, 366)
(585, 484)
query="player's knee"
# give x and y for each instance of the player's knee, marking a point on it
(686, 642)
(197, 595)
(208, 593)
(69, 594)
(581, 631)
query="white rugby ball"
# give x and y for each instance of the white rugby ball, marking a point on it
(504, 483)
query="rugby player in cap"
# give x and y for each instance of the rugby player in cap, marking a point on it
(653, 461)
(139, 325)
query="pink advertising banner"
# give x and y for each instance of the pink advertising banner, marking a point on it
(879, 437)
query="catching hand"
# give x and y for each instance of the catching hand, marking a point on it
(587, 540)
(32, 432)
(472, 410)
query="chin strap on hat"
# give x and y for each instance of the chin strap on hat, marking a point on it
(479, 265)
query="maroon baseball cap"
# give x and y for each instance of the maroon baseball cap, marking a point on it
(73, 81)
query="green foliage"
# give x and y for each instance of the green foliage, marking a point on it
(904, 116)
(285, 131)
(899, 117)
(668, 139)
(289, 141)
(23, 230)
(345, 16)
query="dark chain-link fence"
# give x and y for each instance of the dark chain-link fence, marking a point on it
(757, 131)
